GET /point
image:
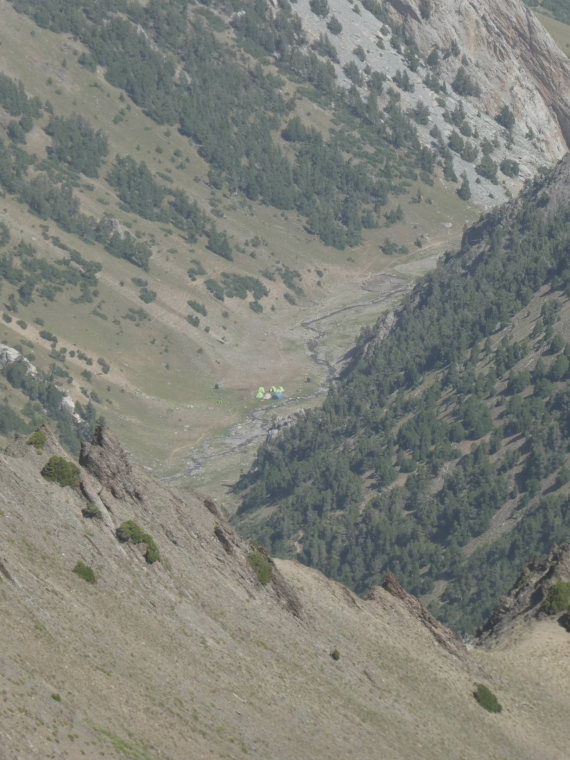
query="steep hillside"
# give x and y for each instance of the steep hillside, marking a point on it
(187, 654)
(443, 454)
(200, 196)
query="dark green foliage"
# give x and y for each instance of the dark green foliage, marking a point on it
(236, 286)
(487, 168)
(38, 440)
(335, 654)
(425, 9)
(557, 599)
(147, 295)
(136, 187)
(197, 306)
(505, 118)
(476, 418)
(319, 7)
(215, 289)
(334, 26)
(420, 113)
(196, 269)
(323, 46)
(10, 421)
(4, 235)
(403, 81)
(353, 73)
(464, 191)
(448, 170)
(464, 85)
(61, 471)
(219, 243)
(43, 389)
(487, 699)
(262, 566)
(13, 98)
(85, 572)
(377, 9)
(509, 167)
(127, 247)
(91, 512)
(16, 133)
(76, 143)
(470, 152)
(130, 531)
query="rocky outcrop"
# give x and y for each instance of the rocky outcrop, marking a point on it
(106, 460)
(443, 636)
(9, 355)
(280, 424)
(524, 602)
(508, 53)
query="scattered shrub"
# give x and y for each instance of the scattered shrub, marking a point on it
(505, 118)
(558, 599)
(487, 699)
(91, 512)
(38, 440)
(85, 572)
(319, 7)
(509, 167)
(262, 566)
(130, 531)
(335, 654)
(59, 470)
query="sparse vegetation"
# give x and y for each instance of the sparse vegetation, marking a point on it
(91, 511)
(61, 471)
(557, 599)
(38, 440)
(130, 532)
(262, 566)
(487, 699)
(85, 572)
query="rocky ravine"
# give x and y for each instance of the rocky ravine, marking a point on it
(192, 657)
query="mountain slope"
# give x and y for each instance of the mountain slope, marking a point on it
(192, 656)
(443, 453)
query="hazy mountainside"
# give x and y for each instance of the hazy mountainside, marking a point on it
(111, 651)
(182, 183)
(442, 455)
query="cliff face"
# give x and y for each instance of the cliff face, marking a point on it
(508, 53)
